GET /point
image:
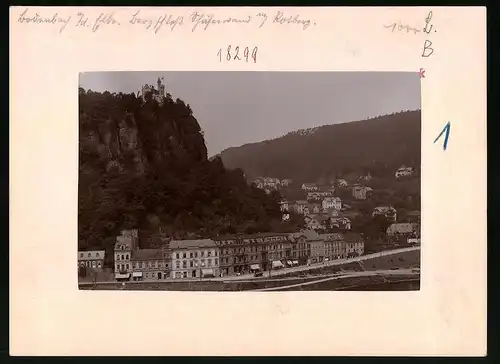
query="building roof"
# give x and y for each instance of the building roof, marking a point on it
(301, 202)
(147, 254)
(384, 208)
(352, 237)
(192, 244)
(332, 236)
(91, 254)
(310, 184)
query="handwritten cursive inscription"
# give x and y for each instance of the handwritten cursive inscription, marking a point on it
(165, 20)
(55, 19)
(280, 18)
(402, 28)
(237, 55)
(195, 21)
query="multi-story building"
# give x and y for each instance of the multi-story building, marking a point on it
(125, 244)
(389, 212)
(299, 207)
(332, 202)
(247, 253)
(157, 94)
(309, 187)
(91, 259)
(194, 258)
(132, 263)
(150, 264)
(343, 245)
(361, 192)
(318, 195)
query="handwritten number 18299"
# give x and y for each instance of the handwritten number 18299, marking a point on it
(237, 54)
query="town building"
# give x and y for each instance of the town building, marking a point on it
(355, 245)
(125, 244)
(150, 264)
(343, 245)
(93, 259)
(132, 263)
(309, 187)
(361, 192)
(402, 228)
(318, 195)
(241, 254)
(286, 182)
(317, 245)
(194, 258)
(388, 211)
(404, 171)
(300, 247)
(316, 222)
(284, 206)
(332, 202)
(299, 207)
(340, 222)
(342, 183)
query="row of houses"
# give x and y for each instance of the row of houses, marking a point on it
(271, 183)
(223, 255)
(304, 207)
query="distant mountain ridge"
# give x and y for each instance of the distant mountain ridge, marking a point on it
(378, 146)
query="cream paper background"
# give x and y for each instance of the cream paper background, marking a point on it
(49, 316)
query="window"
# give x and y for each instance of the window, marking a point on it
(184, 255)
(96, 254)
(150, 265)
(126, 257)
(202, 262)
(177, 264)
(117, 267)
(209, 262)
(202, 253)
(123, 257)
(191, 264)
(144, 264)
(216, 253)
(184, 264)
(117, 257)
(99, 264)
(196, 254)
(216, 261)
(128, 266)
(133, 265)
(190, 254)
(177, 256)
(209, 254)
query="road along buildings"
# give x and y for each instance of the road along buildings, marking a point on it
(223, 255)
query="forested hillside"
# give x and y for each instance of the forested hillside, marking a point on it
(144, 165)
(378, 146)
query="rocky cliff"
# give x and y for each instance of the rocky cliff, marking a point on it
(144, 165)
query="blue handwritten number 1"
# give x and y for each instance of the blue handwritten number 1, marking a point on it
(447, 130)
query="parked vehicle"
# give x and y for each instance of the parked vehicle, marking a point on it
(258, 274)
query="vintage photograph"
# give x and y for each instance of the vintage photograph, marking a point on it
(249, 181)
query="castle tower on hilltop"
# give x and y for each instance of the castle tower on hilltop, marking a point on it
(158, 94)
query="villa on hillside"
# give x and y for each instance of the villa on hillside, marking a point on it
(388, 211)
(332, 202)
(404, 171)
(309, 187)
(361, 192)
